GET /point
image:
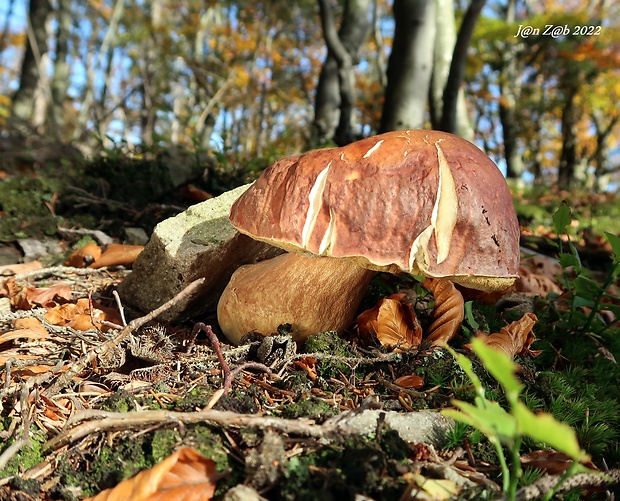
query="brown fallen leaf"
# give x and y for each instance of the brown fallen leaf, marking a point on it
(410, 381)
(25, 298)
(535, 283)
(28, 328)
(183, 475)
(449, 311)
(514, 339)
(78, 315)
(308, 364)
(117, 255)
(15, 269)
(550, 462)
(84, 256)
(392, 321)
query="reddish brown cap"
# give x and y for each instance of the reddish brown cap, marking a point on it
(423, 202)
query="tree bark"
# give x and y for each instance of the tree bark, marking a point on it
(445, 40)
(457, 67)
(509, 91)
(568, 156)
(410, 65)
(60, 79)
(335, 94)
(36, 46)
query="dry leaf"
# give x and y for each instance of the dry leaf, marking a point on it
(84, 256)
(16, 269)
(449, 311)
(26, 298)
(535, 283)
(78, 315)
(410, 381)
(514, 339)
(550, 462)
(118, 255)
(183, 475)
(25, 328)
(393, 322)
(308, 364)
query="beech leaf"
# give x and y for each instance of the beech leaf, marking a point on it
(449, 311)
(183, 475)
(514, 339)
(393, 322)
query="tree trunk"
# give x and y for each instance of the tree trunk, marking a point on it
(457, 67)
(36, 46)
(568, 157)
(60, 78)
(410, 65)
(445, 40)
(509, 91)
(335, 94)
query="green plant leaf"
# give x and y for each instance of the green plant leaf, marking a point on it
(614, 241)
(469, 315)
(586, 287)
(582, 301)
(492, 420)
(562, 218)
(501, 368)
(466, 365)
(544, 428)
(568, 260)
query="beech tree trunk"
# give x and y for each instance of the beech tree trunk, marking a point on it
(445, 40)
(24, 98)
(60, 78)
(457, 67)
(509, 91)
(335, 94)
(410, 65)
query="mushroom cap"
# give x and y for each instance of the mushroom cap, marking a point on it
(417, 201)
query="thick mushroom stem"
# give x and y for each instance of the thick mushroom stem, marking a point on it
(313, 294)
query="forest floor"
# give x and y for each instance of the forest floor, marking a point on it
(93, 393)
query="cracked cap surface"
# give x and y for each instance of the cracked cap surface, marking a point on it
(416, 201)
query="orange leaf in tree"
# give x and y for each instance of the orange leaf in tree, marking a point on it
(514, 339)
(393, 322)
(183, 475)
(449, 311)
(410, 381)
(84, 256)
(118, 255)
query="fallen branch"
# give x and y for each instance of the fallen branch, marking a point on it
(114, 421)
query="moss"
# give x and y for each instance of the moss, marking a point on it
(332, 344)
(119, 401)
(26, 457)
(23, 209)
(164, 443)
(196, 399)
(311, 408)
(359, 465)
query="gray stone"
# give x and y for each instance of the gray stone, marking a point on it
(198, 243)
(427, 427)
(136, 236)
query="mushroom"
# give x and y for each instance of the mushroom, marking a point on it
(421, 202)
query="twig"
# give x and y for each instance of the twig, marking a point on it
(98, 235)
(229, 376)
(119, 304)
(58, 270)
(79, 365)
(108, 421)
(549, 482)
